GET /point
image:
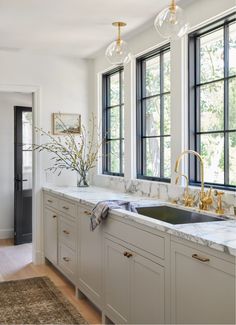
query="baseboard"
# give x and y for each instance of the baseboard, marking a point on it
(6, 233)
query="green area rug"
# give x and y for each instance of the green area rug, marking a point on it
(35, 301)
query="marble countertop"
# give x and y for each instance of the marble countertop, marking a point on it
(219, 235)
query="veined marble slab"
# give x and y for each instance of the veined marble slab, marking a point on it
(219, 235)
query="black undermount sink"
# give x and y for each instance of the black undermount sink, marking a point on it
(175, 216)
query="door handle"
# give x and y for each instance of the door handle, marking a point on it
(21, 180)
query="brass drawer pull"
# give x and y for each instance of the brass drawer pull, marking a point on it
(88, 213)
(50, 201)
(66, 232)
(127, 254)
(54, 216)
(200, 258)
(65, 208)
(66, 259)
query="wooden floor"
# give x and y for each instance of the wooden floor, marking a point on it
(16, 263)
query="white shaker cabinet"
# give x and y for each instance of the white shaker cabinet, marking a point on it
(134, 286)
(203, 286)
(50, 234)
(90, 258)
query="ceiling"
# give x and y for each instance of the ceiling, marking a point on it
(69, 27)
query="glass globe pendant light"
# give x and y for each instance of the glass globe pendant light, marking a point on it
(170, 22)
(118, 52)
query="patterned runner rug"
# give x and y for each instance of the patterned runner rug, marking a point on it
(35, 301)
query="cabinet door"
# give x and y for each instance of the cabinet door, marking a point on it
(90, 263)
(203, 292)
(147, 291)
(117, 283)
(50, 233)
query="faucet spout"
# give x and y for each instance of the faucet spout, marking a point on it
(195, 153)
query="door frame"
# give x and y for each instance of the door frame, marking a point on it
(37, 223)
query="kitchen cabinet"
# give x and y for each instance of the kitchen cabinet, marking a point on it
(203, 286)
(136, 274)
(134, 286)
(50, 234)
(90, 258)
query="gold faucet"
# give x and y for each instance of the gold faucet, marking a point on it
(205, 197)
(219, 208)
(188, 199)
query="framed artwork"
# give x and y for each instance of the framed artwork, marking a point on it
(63, 123)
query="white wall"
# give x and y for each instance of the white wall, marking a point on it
(64, 87)
(7, 103)
(197, 13)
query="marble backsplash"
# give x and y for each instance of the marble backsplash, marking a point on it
(163, 191)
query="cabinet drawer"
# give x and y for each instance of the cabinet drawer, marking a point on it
(67, 261)
(67, 207)
(67, 232)
(50, 201)
(142, 239)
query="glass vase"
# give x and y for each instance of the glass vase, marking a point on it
(82, 179)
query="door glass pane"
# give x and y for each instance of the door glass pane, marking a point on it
(151, 148)
(212, 56)
(26, 152)
(232, 158)
(212, 150)
(152, 116)
(114, 91)
(167, 167)
(232, 104)
(152, 76)
(212, 107)
(232, 49)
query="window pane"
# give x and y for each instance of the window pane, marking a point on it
(167, 167)
(152, 116)
(167, 114)
(232, 49)
(114, 156)
(212, 56)
(152, 76)
(113, 116)
(166, 69)
(232, 103)
(212, 150)
(114, 91)
(151, 149)
(122, 155)
(212, 107)
(232, 158)
(122, 86)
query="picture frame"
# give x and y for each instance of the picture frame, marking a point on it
(71, 121)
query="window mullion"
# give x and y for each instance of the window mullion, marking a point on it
(226, 104)
(161, 116)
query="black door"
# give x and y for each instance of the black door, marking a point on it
(23, 175)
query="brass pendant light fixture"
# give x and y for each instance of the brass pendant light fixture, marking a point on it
(170, 22)
(118, 53)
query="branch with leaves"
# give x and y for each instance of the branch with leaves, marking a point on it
(74, 152)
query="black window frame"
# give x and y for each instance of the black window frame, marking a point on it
(105, 122)
(139, 116)
(194, 109)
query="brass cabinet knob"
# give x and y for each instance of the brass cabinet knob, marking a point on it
(66, 232)
(65, 208)
(200, 258)
(127, 254)
(88, 213)
(54, 216)
(66, 259)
